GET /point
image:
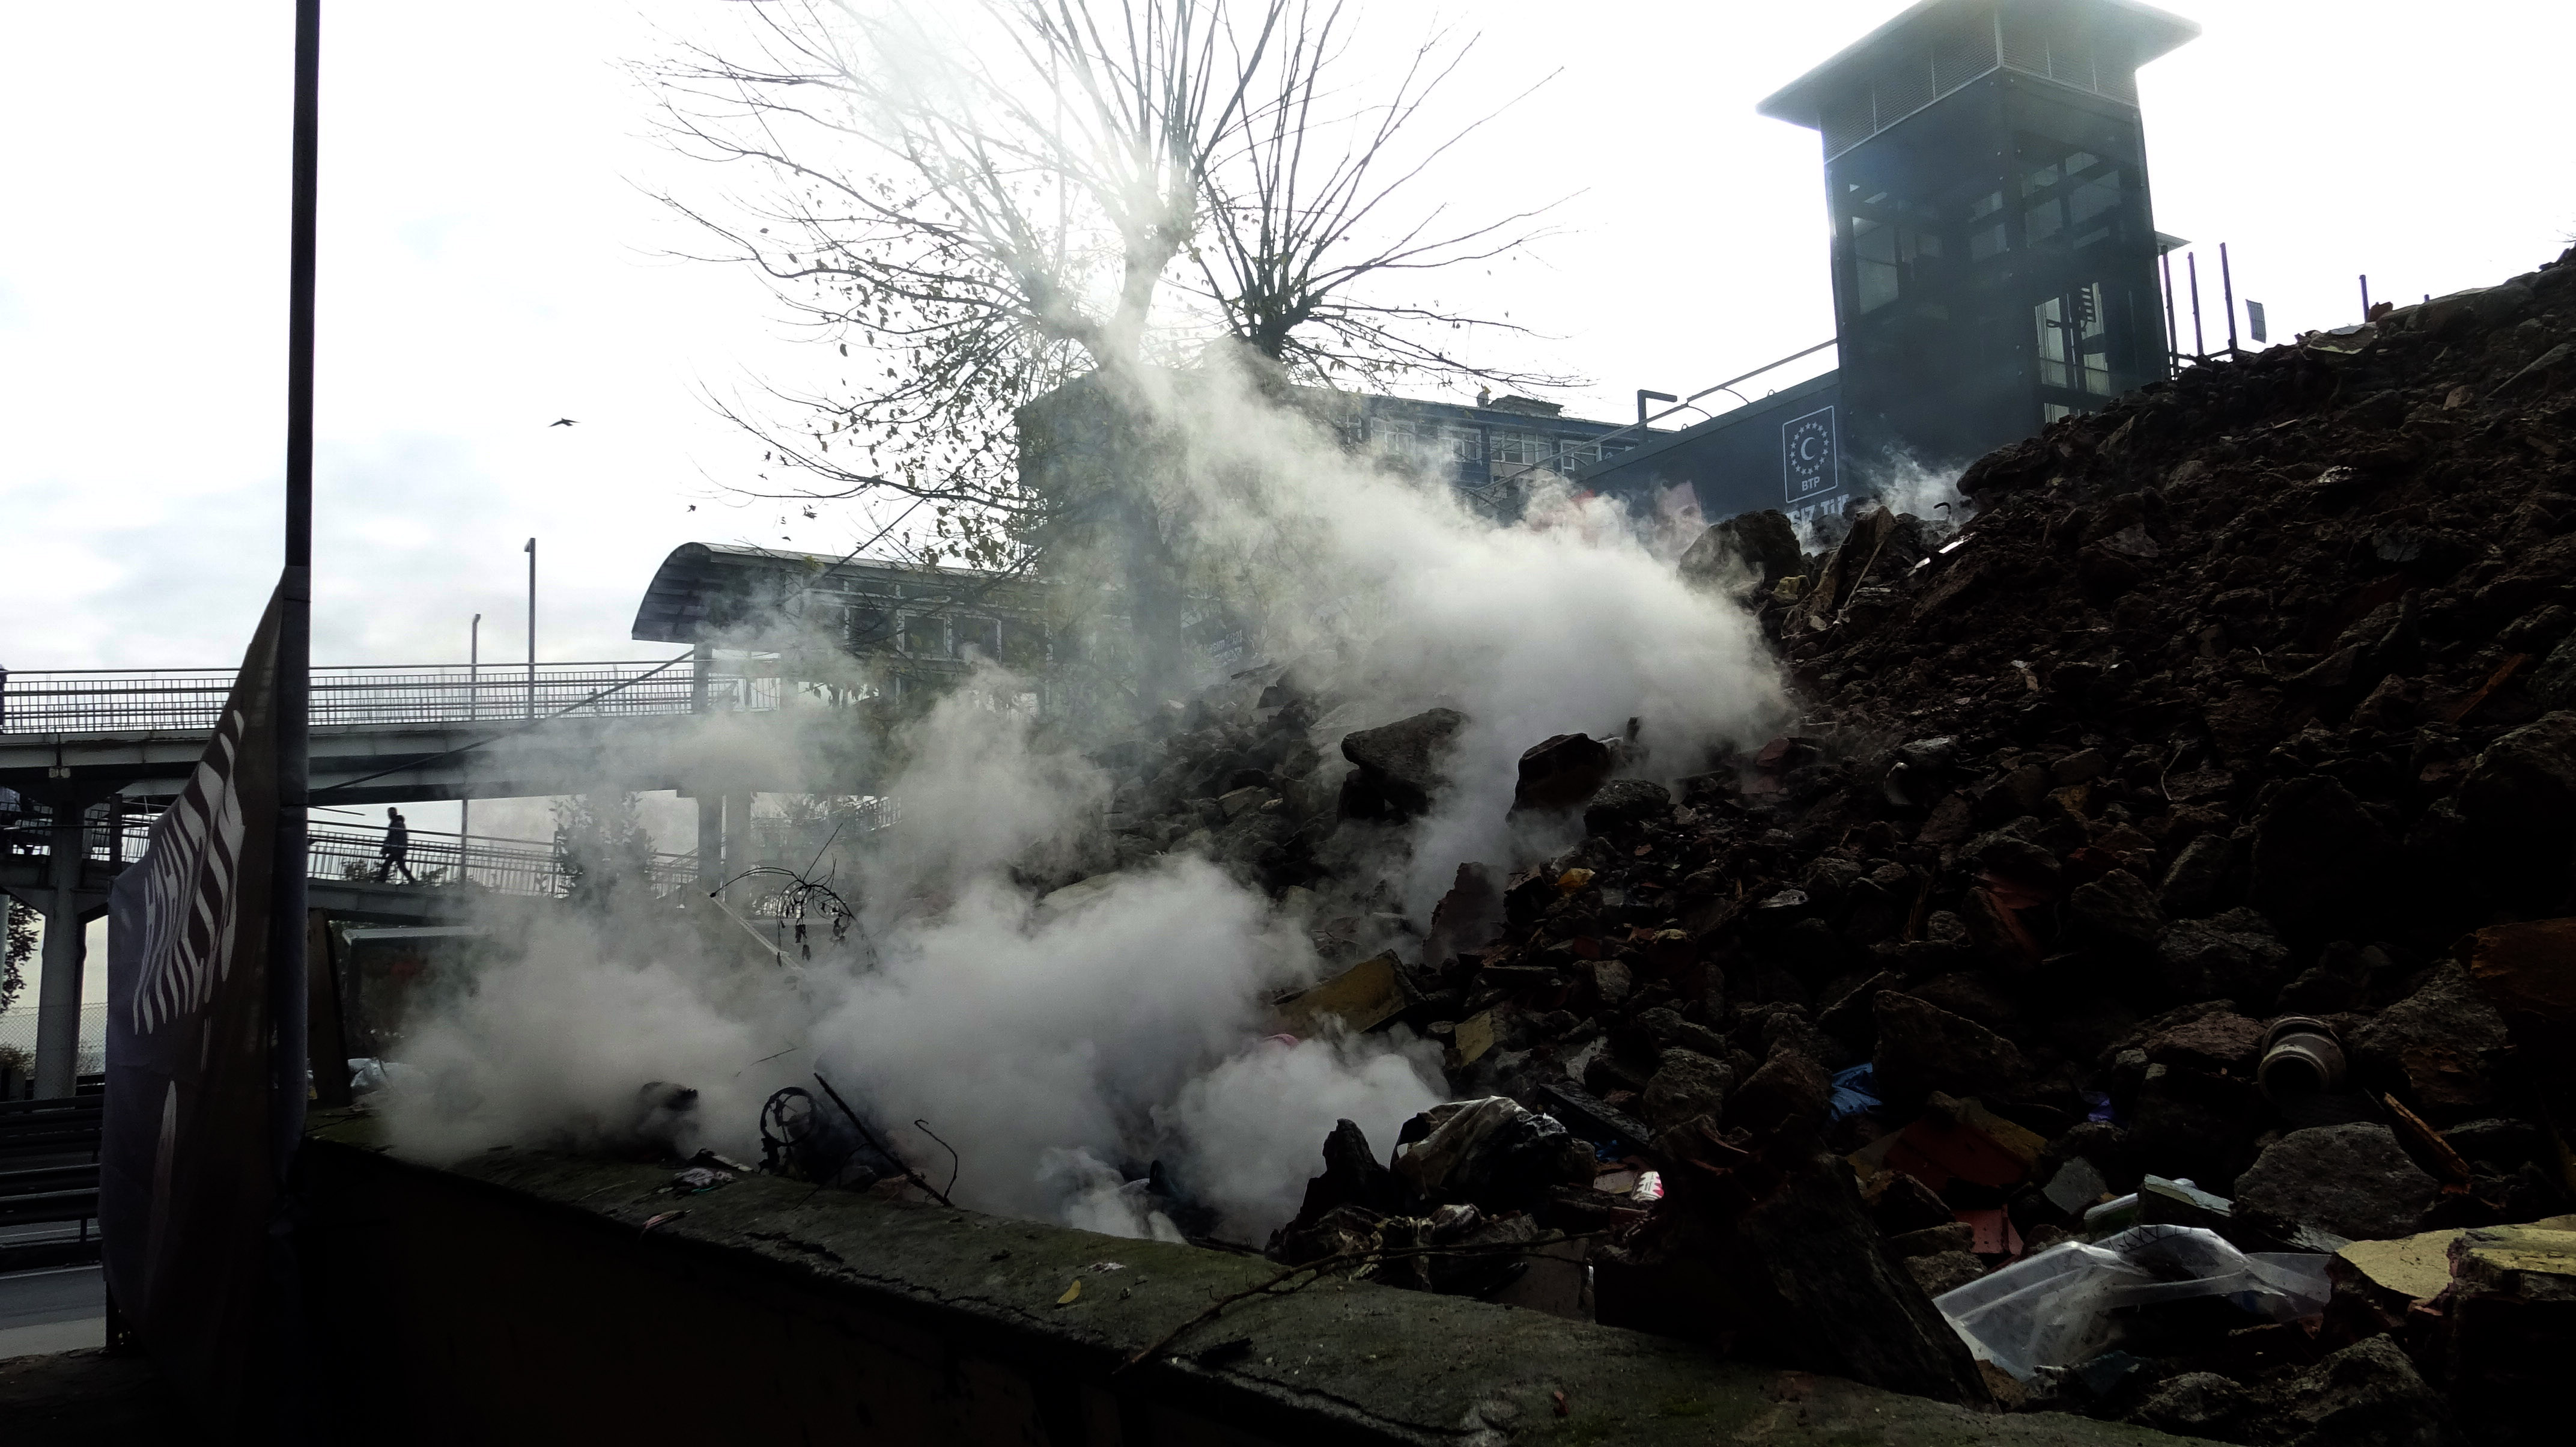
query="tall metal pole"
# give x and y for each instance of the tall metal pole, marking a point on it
(2173, 340)
(2227, 289)
(2199, 344)
(286, 974)
(474, 712)
(2365, 296)
(532, 627)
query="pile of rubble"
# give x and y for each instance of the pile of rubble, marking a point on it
(2151, 941)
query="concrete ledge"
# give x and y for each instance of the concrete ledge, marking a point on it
(519, 1297)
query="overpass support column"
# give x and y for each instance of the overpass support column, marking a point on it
(710, 804)
(58, 992)
(710, 840)
(737, 833)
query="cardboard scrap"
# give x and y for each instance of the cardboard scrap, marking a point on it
(1475, 1036)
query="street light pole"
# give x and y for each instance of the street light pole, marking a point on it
(532, 627)
(473, 712)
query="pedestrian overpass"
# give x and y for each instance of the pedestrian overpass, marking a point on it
(88, 757)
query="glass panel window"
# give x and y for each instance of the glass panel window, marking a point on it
(925, 635)
(1874, 253)
(2093, 198)
(2073, 342)
(979, 636)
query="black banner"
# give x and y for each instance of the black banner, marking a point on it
(187, 1183)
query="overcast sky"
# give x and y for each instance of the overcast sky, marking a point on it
(490, 263)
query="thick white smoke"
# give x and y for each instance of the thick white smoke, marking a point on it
(1061, 1047)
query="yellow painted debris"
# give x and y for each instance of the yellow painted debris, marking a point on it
(1364, 996)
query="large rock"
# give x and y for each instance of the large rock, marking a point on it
(2366, 1395)
(2519, 805)
(2192, 882)
(2319, 857)
(1561, 772)
(2508, 1315)
(2232, 956)
(2440, 1043)
(2195, 1404)
(1626, 801)
(1399, 766)
(1686, 1085)
(1922, 1047)
(1796, 1278)
(2353, 1180)
(1759, 548)
(1788, 1093)
(2217, 1042)
(2117, 910)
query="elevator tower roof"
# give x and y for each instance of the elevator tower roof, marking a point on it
(1939, 46)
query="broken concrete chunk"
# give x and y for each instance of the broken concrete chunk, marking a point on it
(1756, 548)
(2232, 956)
(1399, 766)
(2191, 883)
(2528, 972)
(2117, 909)
(2440, 1044)
(1933, 1240)
(1561, 773)
(2319, 857)
(1686, 1085)
(1922, 1047)
(1362, 997)
(2416, 1267)
(1944, 1271)
(1624, 802)
(2352, 1180)
(2195, 1404)
(2076, 1188)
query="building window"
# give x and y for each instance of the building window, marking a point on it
(978, 636)
(870, 627)
(925, 635)
(2073, 343)
(1519, 447)
(1874, 251)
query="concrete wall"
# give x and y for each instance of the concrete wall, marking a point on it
(518, 1298)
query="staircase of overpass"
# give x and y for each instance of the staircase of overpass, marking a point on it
(88, 757)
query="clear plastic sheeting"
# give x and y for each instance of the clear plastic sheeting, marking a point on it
(2067, 1304)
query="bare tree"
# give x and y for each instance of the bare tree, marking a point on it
(1303, 211)
(977, 201)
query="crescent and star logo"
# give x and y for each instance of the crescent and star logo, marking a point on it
(1807, 454)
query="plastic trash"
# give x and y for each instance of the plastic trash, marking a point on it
(366, 1073)
(2066, 1305)
(1855, 1091)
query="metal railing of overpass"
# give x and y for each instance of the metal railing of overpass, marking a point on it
(117, 700)
(355, 853)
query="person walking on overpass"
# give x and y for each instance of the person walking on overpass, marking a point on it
(397, 850)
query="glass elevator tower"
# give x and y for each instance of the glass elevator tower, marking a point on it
(1994, 253)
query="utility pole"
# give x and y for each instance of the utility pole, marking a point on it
(287, 925)
(532, 627)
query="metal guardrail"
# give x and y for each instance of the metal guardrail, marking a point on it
(113, 700)
(355, 852)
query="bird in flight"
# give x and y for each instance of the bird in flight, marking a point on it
(562, 422)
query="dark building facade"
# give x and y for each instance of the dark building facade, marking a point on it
(1495, 449)
(920, 628)
(1994, 250)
